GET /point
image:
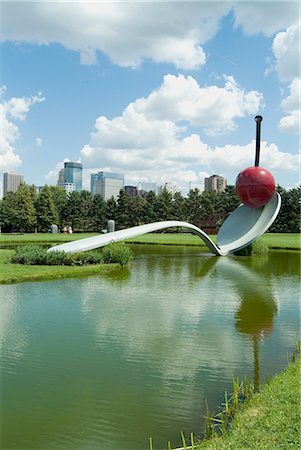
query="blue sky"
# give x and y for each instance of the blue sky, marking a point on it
(163, 92)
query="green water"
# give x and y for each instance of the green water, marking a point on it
(106, 362)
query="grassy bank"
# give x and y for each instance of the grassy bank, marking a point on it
(270, 420)
(290, 241)
(13, 273)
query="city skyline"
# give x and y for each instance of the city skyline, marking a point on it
(160, 103)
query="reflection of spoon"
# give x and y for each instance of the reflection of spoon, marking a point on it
(257, 309)
(242, 227)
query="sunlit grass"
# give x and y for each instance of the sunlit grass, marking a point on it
(272, 240)
(13, 273)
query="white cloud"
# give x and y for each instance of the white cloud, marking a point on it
(291, 105)
(286, 49)
(52, 175)
(127, 32)
(149, 142)
(130, 32)
(16, 108)
(265, 17)
(39, 142)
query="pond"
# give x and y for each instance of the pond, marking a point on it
(107, 362)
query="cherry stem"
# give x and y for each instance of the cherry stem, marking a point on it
(258, 120)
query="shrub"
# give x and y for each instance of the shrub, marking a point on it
(37, 255)
(117, 252)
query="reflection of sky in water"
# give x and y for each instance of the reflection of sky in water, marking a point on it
(141, 349)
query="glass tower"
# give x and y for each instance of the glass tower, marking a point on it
(73, 173)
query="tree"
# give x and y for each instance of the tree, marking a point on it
(164, 206)
(123, 210)
(288, 220)
(98, 211)
(46, 210)
(85, 220)
(60, 199)
(24, 213)
(179, 206)
(7, 206)
(148, 213)
(72, 210)
(111, 209)
(193, 206)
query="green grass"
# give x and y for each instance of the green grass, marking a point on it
(271, 420)
(272, 240)
(13, 273)
(41, 238)
(290, 241)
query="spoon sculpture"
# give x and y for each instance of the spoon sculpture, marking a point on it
(261, 204)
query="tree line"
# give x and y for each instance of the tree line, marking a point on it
(27, 211)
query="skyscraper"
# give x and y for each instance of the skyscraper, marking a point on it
(107, 184)
(73, 173)
(215, 183)
(11, 182)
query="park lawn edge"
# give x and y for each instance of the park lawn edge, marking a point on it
(274, 241)
(19, 273)
(271, 420)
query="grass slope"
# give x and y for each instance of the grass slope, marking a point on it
(270, 421)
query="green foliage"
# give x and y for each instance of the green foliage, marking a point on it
(24, 209)
(36, 255)
(288, 219)
(117, 252)
(46, 210)
(98, 206)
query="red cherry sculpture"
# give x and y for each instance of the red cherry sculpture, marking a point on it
(255, 186)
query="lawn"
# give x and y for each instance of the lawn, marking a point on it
(13, 273)
(270, 421)
(272, 240)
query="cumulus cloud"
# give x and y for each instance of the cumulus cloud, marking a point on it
(150, 140)
(12, 110)
(170, 32)
(39, 142)
(286, 49)
(266, 17)
(126, 32)
(291, 105)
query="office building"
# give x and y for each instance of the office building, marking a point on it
(107, 184)
(131, 190)
(73, 173)
(11, 182)
(169, 187)
(61, 178)
(215, 183)
(145, 186)
(69, 187)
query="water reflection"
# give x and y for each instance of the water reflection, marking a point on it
(110, 360)
(257, 307)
